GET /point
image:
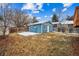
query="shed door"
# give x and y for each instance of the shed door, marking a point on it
(47, 28)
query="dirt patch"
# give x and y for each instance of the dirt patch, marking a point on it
(46, 44)
(75, 45)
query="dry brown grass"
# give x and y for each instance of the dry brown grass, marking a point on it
(45, 44)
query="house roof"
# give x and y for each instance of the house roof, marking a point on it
(67, 22)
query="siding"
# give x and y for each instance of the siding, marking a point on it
(44, 28)
(35, 28)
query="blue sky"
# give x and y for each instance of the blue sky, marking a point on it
(44, 11)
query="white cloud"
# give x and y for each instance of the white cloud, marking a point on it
(38, 18)
(29, 6)
(67, 4)
(45, 16)
(40, 5)
(64, 9)
(30, 14)
(54, 9)
(32, 6)
(35, 11)
(51, 16)
(42, 9)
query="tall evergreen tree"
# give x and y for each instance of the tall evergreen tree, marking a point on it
(55, 18)
(34, 20)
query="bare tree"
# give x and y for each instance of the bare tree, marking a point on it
(34, 20)
(19, 19)
(4, 21)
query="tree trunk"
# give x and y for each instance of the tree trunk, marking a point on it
(4, 32)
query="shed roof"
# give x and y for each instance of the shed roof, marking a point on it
(41, 22)
(55, 22)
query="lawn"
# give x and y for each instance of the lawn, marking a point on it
(45, 44)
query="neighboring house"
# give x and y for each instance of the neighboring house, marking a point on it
(67, 26)
(48, 26)
(76, 17)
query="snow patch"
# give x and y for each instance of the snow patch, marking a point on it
(27, 33)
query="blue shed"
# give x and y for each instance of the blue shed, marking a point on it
(41, 27)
